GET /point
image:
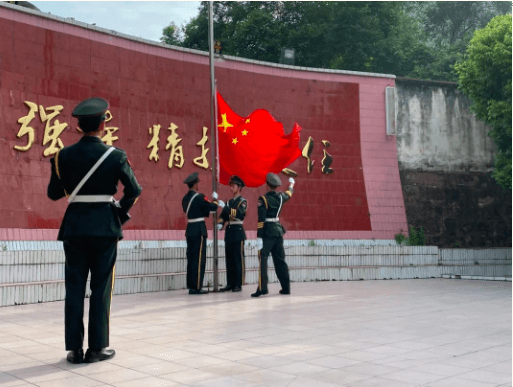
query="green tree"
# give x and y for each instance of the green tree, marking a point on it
(447, 27)
(171, 35)
(415, 39)
(360, 36)
(485, 76)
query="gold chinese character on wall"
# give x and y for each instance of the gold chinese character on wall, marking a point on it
(307, 153)
(154, 143)
(202, 161)
(109, 137)
(326, 160)
(52, 132)
(176, 158)
(25, 129)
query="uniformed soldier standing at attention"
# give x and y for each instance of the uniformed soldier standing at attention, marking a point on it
(270, 234)
(233, 214)
(196, 208)
(91, 227)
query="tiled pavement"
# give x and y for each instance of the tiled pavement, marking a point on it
(435, 332)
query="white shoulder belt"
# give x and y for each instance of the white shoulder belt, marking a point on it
(73, 198)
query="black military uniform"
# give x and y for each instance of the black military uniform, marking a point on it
(271, 232)
(90, 230)
(196, 207)
(234, 213)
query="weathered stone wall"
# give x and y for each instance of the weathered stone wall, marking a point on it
(445, 162)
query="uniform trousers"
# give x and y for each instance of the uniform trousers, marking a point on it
(235, 263)
(274, 246)
(98, 256)
(196, 259)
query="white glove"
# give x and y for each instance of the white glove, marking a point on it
(116, 203)
(214, 195)
(220, 204)
(292, 181)
(219, 226)
(260, 244)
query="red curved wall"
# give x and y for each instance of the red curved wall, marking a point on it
(51, 63)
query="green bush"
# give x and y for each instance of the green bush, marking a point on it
(485, 76)
(400, 238)
(417, 238)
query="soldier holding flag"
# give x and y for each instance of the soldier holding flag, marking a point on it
(234, 236)
(197, 207)
(270, 234)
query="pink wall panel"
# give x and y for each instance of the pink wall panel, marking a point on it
(148, 85)
(381, 171)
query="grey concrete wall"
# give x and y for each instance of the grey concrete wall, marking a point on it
(445, 163)
(436, 131)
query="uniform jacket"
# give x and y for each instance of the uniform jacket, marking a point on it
(235, 209)
(268, 208)
(200, 207)
(70, 165)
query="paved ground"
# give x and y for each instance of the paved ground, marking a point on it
(436, 333)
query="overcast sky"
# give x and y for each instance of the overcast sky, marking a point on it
(144, 19)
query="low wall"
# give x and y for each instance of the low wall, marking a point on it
(31, 276)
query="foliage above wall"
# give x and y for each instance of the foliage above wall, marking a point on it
(485, 76)
(414, 39)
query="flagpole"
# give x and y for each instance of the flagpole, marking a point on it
(213, 119)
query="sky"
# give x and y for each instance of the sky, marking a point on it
(144, 19)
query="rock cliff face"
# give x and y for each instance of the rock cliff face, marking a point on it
(457, 209)
(445, 163)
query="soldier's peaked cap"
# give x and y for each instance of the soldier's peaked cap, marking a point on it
(90, 107)
(192, 178)
(237, 180)
(273, 180)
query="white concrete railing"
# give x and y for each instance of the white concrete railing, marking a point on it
(31, 276)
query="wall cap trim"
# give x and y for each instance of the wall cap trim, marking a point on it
(106, 31)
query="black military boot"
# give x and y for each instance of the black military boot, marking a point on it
(92, 356)
(259, 293)
(226, 288)
(76, 357)
(200, 291)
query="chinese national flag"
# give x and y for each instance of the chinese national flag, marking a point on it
(252, 146)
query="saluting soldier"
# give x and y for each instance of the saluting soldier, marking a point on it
(233, 214)
(196, 208)
(270, 234)
(91, 227)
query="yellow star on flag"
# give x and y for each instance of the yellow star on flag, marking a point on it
(248, 121)
(234, 141)
(244, 132)
(225, 124)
